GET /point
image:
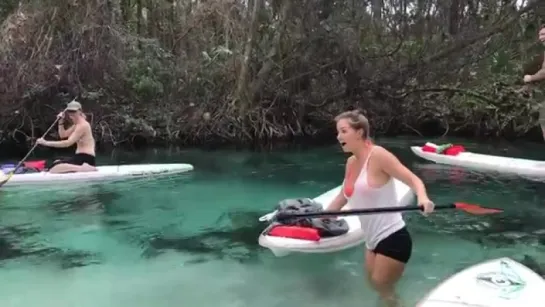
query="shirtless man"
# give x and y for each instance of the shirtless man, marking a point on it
(81, 134)
(539, 76)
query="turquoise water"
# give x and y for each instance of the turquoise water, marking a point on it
(191, 239)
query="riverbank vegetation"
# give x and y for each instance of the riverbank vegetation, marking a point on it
(253, 71)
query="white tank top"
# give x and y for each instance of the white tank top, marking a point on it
(375, 227)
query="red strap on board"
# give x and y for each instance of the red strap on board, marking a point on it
(295, 232)
(427, 148)
(454, 150)
(39, 165)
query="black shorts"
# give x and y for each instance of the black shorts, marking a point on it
(398, 246)
(77, 159)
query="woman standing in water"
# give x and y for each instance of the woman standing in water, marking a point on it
(368, 183)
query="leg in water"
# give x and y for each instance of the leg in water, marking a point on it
(385, 265)
(386, 273)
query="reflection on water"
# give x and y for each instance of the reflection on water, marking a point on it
(15, 243)
(235, 241)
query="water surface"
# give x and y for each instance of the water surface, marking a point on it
(191, 239)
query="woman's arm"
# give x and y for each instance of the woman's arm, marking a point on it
(65, 133)
(391, 165)
(337, 203)
(72, 139)
(340, 200)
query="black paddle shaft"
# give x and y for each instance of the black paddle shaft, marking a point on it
(282, 216)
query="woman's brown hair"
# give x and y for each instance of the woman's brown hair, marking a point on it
(356, 120)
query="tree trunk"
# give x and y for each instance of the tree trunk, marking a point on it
(241, 96)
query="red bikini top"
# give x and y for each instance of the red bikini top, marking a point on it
(348, 189)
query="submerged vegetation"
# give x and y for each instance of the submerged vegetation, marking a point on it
(224, 71)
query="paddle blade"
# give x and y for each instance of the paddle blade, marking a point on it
(475, 209)
(4, 178)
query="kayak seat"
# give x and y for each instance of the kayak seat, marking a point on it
(306, 228)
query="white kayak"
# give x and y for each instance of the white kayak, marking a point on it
(281, 246)
(485, 162)
(106, 172)
(499, 282)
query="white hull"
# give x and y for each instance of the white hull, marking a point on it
(280, 246)
(533, 168)
(104, 173)
(499, 282)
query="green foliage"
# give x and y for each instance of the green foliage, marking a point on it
(306, 61)
(149, 70)
(7, 7)
(501, 62)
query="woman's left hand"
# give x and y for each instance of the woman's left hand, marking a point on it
(427, 204)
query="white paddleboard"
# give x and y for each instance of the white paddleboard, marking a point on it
(280, 246)
(105, 172)
(476, 161)
(499, 282)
